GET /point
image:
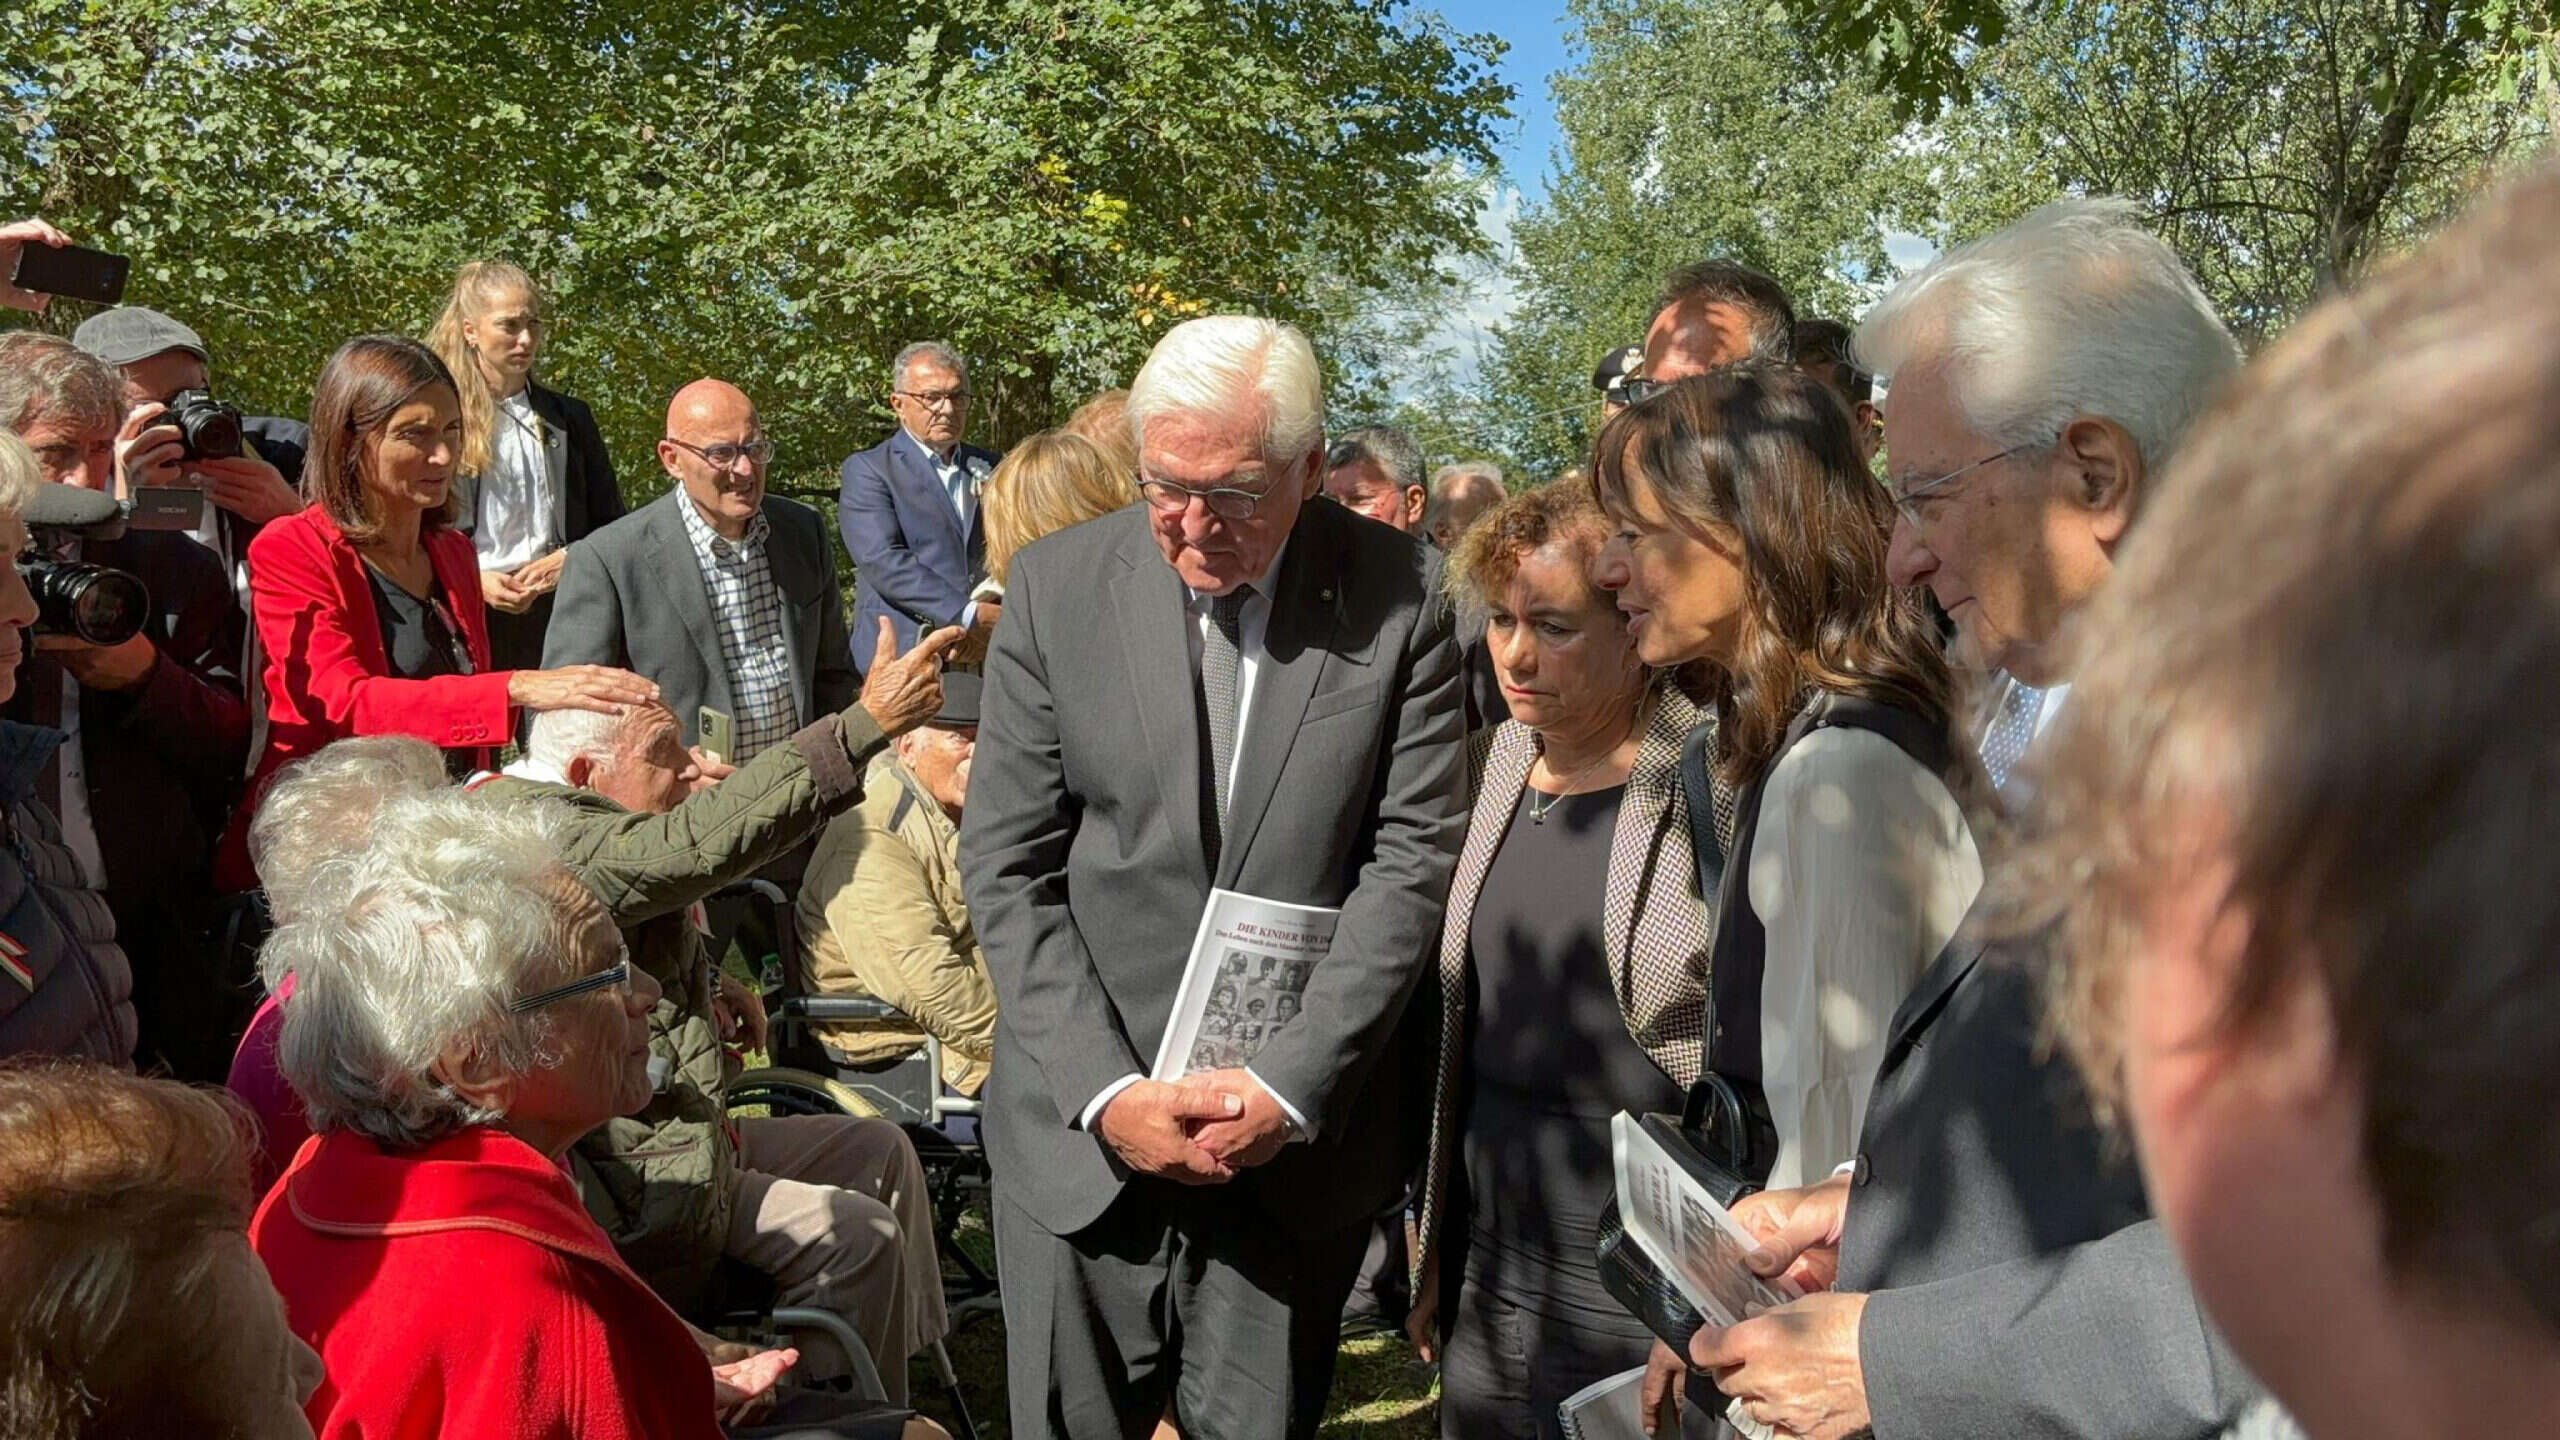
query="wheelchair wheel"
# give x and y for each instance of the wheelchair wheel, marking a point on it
(778, 1091)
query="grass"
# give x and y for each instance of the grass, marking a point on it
(1380, 1391)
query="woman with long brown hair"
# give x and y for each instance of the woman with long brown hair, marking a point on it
(533, 475)
(1750, 542)
(368, 600)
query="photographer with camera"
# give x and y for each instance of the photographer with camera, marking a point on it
(65, 986)
(177, 436)
(141, 676)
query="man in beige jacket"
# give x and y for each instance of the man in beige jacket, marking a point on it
(880, 908)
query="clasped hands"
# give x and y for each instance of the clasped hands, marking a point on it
(1200, 1131)
(1794, 1368)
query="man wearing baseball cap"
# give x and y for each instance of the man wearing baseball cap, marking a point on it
(1610, 378)
(161, 360)
(880, 907)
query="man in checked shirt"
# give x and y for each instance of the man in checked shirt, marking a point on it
(723, 594)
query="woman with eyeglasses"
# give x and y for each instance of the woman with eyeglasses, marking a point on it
(465, 1011)
(534, 477)
(368, 601)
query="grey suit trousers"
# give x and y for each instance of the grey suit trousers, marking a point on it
(1180, 1298)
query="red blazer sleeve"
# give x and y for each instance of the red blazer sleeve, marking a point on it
(325, 660)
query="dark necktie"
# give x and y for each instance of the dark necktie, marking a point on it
(1220, 653)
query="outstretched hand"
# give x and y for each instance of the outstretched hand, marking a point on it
(15, 236)
(903, 691)
(743, 1389)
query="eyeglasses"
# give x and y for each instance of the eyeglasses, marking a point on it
(1638, 390)
(726, 457)
(1224, 501)
(937, 399)
(1903, 497)
(614, 978)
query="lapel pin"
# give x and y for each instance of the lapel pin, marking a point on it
(1325, 595)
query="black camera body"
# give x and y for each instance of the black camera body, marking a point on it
(209, 428)
(100, 605)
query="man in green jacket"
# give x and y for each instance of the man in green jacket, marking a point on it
(833, 1207)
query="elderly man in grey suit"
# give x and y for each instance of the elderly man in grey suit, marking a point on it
(1223, 686)
(1987, 1265)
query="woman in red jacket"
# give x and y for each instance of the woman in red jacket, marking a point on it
(465, 1012)
(368, 602)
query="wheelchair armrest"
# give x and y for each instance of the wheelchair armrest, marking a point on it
(751, 887)
(838, 1007)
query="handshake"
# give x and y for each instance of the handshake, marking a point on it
(1199, 1131)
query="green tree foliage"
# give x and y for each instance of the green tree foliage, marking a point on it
(1694, 128)
(780, 192)
(2281, 145)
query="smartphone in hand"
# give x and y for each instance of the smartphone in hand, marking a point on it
(718, 738)
(74, 271)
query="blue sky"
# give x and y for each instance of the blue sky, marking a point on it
(1536, 30)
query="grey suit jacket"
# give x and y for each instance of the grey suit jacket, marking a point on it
(1086, 873)
(632, 595)
(2019, 1286)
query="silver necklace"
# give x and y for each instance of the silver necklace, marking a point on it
(1538, 812)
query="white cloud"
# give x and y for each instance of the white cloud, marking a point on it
(1489, 290)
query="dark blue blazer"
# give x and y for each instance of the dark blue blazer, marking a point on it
(911, 560)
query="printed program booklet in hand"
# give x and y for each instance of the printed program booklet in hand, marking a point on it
(1251, 960)
(1695, 1241)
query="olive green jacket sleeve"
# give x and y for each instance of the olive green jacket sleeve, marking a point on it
(643, 866)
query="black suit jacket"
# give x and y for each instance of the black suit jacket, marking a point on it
(2019, 1286)
(593, 499)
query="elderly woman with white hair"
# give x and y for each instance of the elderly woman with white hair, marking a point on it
(465, 1012)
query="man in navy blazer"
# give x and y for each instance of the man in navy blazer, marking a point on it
(909, 507)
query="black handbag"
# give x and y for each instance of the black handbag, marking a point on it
(1713, 1140)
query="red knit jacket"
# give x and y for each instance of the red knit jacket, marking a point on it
(460, 1291)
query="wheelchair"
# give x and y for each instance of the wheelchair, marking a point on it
(807, 1077)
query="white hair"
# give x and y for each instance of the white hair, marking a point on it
(557, 737)
(320, 810)
(2075, 310)
(413, 951)
(1236, 366)
(20, 473)
(933, 350)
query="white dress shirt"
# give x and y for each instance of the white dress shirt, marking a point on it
(522, 504)
(1253, 623)
(1861, 870)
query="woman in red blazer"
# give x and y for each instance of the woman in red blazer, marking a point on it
(368, 602)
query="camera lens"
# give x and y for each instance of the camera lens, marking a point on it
(99, 605)
(209, 428)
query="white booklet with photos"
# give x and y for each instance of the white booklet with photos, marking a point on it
(1250, 963)
(1695, 1241)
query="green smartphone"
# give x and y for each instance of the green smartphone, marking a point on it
(718, 734)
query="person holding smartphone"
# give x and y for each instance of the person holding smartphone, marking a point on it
(535, 475)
